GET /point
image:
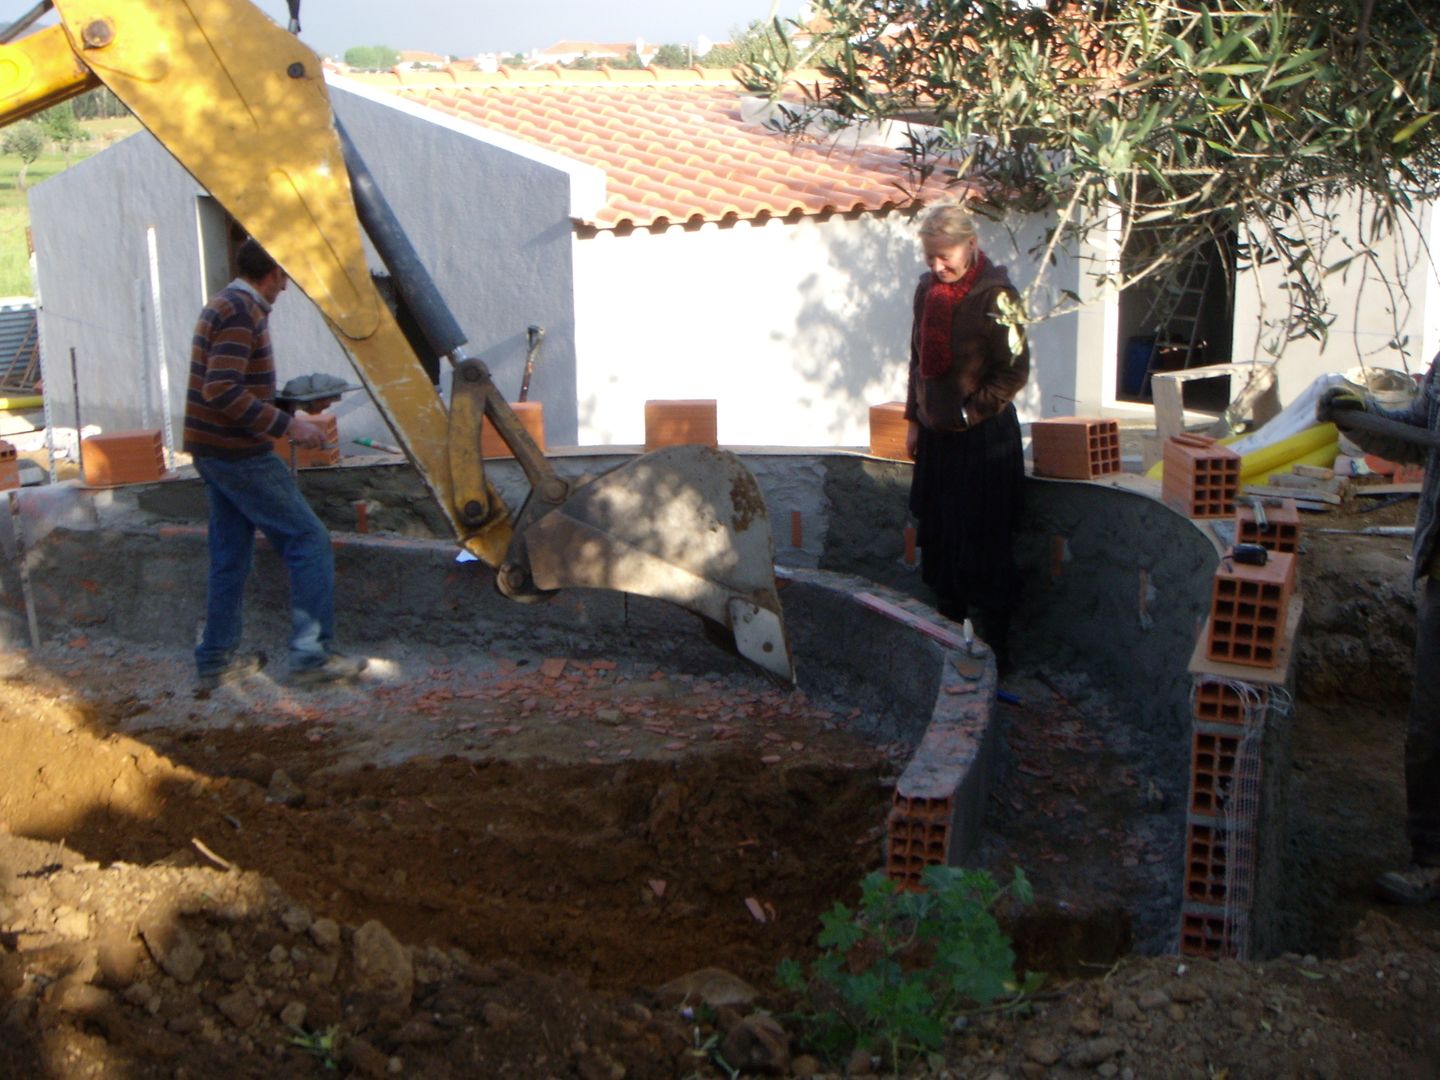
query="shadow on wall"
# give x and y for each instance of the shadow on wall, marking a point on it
(849, 350)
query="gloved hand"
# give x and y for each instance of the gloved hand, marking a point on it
(1337, 399)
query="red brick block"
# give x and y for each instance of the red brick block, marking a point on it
(1248, 608)
(1201, 477)
(1208, 858)
(1075, 448)
(1282, 527)
(680, 423)
(9, 467)
(1204, 933)
(1220, 703)
(887, 431)
(314, 457)
(919, 836)
(124, 457)
(531, 415)
(1214, 758)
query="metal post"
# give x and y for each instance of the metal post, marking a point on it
(75, 387)
(169, 435)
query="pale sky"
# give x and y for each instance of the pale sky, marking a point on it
(466, 27)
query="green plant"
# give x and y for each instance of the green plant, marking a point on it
(320, 1044)
(897, 971)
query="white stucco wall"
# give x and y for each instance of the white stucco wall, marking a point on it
(1389, 326)
(491, 224)
(794, 329)
(797, 329)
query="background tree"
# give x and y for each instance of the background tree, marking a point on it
(770, 44)
(1181, 122)
(372, 57)
(98, 104)
(60, 127)
(26, 141)
(672, 56)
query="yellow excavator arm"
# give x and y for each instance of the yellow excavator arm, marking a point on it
(242, 105)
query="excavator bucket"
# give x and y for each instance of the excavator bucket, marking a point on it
(685, 524)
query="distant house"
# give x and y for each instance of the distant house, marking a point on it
(670, 244)
(413, 59)
(602, 52)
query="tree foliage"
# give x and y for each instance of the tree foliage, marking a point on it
(372, 57)
(26, 140)
(60, 127)
(672, 56)
(1177, 123)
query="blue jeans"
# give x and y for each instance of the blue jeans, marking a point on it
(259, 493)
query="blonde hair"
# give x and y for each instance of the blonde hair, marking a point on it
(948, 221)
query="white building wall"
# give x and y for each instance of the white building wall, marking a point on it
(491, 224)
(794, 329)
(1394, 325)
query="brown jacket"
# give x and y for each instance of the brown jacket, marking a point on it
(984, 375)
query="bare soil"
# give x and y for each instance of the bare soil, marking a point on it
(493, 866)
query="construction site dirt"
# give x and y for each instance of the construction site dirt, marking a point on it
(478, 865)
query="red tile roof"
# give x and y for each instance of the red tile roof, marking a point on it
(671, 142)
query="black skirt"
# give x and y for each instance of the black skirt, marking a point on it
(966, 493)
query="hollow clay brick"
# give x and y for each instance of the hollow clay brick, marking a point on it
(1219, 703)
(1208, 854)
(531, 415)
(1204, 933)
(887, 431)
(1075, 448)
(1201, 478)
(919, 836)
(124, 457)
(680, 423)
(307, 457)
(1282, 527)
(1248, 609)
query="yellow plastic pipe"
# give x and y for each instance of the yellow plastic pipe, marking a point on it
(31, 401)
(1281, 456)
(1324, 457)
(1287, 452)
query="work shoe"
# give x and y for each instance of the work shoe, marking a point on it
(335, 668)
(1413, 885)
(236, 668)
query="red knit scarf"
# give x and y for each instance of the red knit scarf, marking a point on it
(939, 314)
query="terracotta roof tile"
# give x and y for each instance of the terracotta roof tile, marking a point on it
(672, 143)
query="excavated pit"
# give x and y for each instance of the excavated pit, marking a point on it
(586, 785)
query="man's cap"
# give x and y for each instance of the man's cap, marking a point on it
(316, 386)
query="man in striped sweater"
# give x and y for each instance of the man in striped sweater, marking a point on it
(231, 424)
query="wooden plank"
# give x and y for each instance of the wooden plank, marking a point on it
(1315, 495)
(1318, 472)
(1389, 489)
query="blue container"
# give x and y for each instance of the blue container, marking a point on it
(1133, 374)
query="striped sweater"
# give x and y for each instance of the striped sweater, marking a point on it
(229, 410)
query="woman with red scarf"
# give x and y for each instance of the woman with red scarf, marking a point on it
(963, 432)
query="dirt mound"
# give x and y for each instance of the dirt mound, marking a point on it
(493, 869)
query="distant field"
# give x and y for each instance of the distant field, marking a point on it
(15, 212)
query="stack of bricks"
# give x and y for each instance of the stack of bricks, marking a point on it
(919, 836)
(1075, 448)
(307, 457)
(1249, 608)
(9, 467)
(531, 415)
(123, 457)
(1238, 744)
(1201, 477)
(680, 423)
(887, 431)
(1224, 815)
(1281, 531)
